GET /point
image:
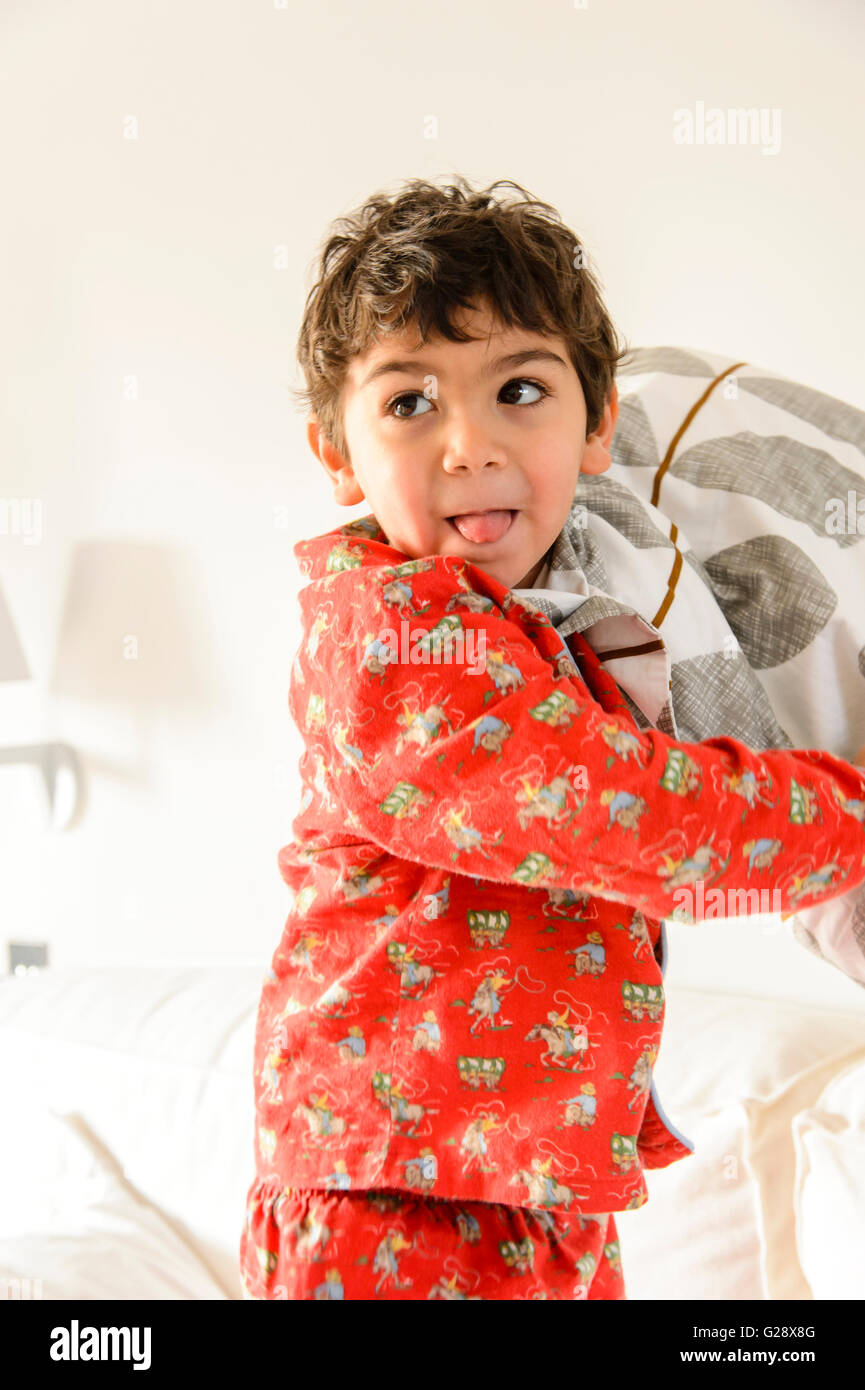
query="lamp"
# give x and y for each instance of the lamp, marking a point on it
(58, 762)
(13, 662)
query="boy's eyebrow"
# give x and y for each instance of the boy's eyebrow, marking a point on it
(412, 365)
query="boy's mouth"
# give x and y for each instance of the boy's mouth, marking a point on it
(482, 527)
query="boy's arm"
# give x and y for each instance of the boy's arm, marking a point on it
(517, 774)
(836, 931)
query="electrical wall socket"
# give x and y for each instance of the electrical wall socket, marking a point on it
(27, 955)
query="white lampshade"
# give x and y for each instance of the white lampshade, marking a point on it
(131, 634)
(13, 663)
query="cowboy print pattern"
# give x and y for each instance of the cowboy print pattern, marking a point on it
(467, 1001)
(334, 1246)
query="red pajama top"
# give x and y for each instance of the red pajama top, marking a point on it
(467, 999)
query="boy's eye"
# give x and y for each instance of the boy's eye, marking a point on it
(521, 382)
(408, 396)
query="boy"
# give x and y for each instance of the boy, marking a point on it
(455, 1041)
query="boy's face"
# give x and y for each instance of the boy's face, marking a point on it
(454, 431)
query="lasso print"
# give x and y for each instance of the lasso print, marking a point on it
(466, 1005)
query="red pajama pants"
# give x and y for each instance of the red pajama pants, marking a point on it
(388, 1245)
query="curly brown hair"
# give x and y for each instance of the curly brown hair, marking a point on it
(417, 256)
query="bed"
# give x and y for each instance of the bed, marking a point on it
(127, 1097)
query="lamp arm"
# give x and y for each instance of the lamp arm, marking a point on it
(49, 758)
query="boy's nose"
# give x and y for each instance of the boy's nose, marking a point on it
(469, 444)
(472, 455)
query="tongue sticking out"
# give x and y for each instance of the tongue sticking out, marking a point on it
(483, 526)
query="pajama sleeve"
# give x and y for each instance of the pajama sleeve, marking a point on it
(515, 773)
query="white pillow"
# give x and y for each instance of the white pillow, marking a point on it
(829, 1193)
(697, 1236)
(73, 1229)
(158, 1063)
(714, 1226)
(760, 483)
(770, 1153)
(762, 457)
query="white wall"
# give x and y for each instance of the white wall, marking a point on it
(156, 259)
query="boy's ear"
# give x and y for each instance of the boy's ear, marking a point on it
(596, 458)
(346, 488)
